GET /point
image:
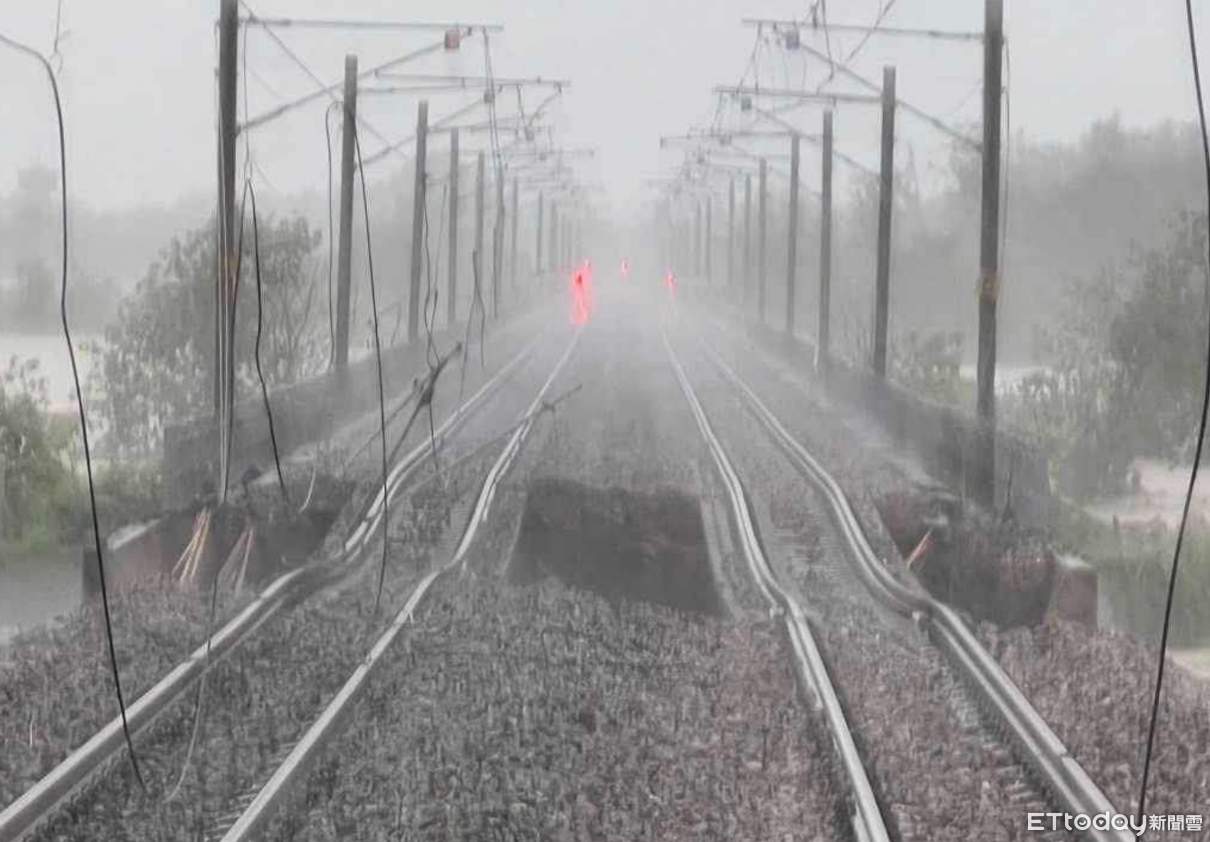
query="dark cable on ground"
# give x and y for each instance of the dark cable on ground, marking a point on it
(422, 393)
(382, 412)
(1201, 438)
(75, 373)
(550, 406)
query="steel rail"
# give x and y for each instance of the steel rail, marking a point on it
(1043, 750)
(868, 822)
(270, 797)
(82, 766)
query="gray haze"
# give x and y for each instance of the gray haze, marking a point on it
(137, 78)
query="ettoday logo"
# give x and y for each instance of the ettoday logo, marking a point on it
(1042, 822)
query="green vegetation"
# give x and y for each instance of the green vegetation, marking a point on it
(1126, 367)
(44, 500)
(36, 486)
(156, 366)
(928, 364)
(1133, 564)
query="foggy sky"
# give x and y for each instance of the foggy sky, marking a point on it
(138, 78)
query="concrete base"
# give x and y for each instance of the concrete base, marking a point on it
(1074, 596)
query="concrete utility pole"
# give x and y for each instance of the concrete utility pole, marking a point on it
(478, 262)
(498, 243)
(882, 289)
(792, 237)
(989, 252)
(709, 239)
(419, 197)
(746, 297)
(825, 248)
(538, 245)
(344, 251)
(731, 234)
(512, 263)
(224, 364)
(696, 241)
(554, 237)
(451, 303)
(760, 256)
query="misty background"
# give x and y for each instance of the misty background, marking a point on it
(1102, 152)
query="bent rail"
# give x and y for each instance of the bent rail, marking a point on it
(270, 797)
(1070, 784)
(80, 768)
(868, 822)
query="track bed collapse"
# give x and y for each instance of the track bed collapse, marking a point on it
(548, 692)
(254, 705)
(711, 667)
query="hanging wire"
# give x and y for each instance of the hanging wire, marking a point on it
(75, 373)
(382, 414)
(1197, 455)
(281, 481)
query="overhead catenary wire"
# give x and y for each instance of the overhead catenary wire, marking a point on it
(305, 68)
(1201, 438)
(75, 373)
(883, 11)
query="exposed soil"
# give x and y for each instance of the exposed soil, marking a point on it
(647, 546)
(992, 568)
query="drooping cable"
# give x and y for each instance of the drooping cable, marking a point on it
(264, 389)
(430, 293)
(430, 315)
(200, 698)
(75, 373)
(382, 412)
(1201, 438)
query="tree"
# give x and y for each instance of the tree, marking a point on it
(157, 365)
(1126, 366)
(38, 486)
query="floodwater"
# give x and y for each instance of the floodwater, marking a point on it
(36, 589)
(1007, 376)
(1161, 495)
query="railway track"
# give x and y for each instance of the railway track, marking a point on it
(72, 778)
(867, 821)
(983, 687)
(264, 803)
